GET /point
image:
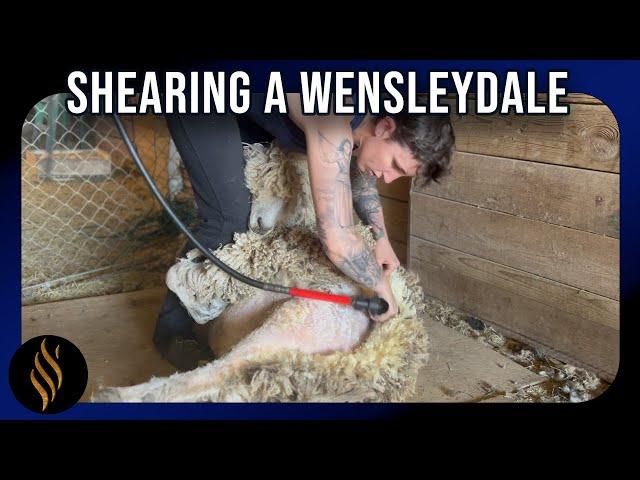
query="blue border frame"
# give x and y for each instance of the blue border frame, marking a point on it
(616, 83)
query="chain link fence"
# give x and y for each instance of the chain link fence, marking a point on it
(90, 225)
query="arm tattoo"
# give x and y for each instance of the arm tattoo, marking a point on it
(339, 154)
(335, 215)
(338, 195)
(366, 201)
(360, 264)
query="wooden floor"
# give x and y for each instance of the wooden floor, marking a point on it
(114, 334)
(461, 369)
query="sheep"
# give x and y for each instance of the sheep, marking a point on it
(271, 347)
(279, 186)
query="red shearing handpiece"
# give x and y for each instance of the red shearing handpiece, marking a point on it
(373, 305)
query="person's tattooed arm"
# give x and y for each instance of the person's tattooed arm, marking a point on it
(329, 144)
(366, 201)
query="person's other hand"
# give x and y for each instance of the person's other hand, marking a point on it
(383, 290)
(385, 256)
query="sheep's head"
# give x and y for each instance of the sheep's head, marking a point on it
(266, 213)
(279, 185)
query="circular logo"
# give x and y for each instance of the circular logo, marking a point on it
(48, 374)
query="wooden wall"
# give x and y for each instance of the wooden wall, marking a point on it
(524, 233)
(395, 205)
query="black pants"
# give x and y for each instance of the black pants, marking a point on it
(211, 150)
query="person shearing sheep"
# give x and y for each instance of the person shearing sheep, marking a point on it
(346, 157)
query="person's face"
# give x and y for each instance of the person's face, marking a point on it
(378, 156)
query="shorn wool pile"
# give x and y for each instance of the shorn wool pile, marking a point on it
(272, 348)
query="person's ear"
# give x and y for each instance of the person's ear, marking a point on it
(385, 128)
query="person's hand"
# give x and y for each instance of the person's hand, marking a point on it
(383, 290)
(385, 256)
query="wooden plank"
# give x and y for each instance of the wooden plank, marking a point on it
(398, 189)
(400, 250)
(396, 218)
(461, 369)
(577, 198)
(587, 138)
(573, 257)
(581, 326)
(113, 332)
(572, 98)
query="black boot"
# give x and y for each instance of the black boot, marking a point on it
(175, 339)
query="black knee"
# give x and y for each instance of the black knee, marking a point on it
(173, 321)
(175, 339)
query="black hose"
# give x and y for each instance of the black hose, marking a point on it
(205, 251)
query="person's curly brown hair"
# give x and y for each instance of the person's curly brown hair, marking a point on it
(430, 138)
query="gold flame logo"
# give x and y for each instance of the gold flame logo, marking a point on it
(53, 387)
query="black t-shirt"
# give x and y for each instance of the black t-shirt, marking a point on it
(278, 125)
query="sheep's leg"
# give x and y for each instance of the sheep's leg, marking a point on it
(307, 326)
